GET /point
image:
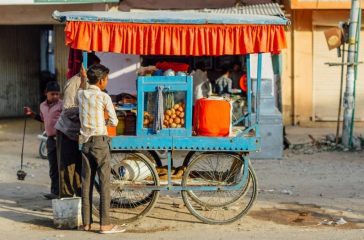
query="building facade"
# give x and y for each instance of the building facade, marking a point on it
(31, 49)
(311, 89)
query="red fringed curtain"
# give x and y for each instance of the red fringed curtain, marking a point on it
(174, 39)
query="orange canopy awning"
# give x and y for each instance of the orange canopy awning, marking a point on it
(175, 39)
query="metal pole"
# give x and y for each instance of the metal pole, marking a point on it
(349, 90)
(341, 94)
(355, 72)
(249, 91)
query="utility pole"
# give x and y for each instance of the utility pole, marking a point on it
(349, 103)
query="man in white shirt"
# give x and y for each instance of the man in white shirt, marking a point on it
(201, 83)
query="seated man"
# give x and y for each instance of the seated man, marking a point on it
(224, 83)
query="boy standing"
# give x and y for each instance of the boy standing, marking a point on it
(50, 110)
(93, 103)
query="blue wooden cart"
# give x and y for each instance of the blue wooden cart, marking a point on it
(217, 182)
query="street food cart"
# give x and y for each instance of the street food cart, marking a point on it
(217, 182)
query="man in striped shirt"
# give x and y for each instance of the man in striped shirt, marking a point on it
(93, 104)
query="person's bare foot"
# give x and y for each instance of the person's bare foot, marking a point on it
(106, 227)
(86, 227)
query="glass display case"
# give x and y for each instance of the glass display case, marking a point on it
(168, 98)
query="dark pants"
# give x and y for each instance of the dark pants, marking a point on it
(53, 165)
(96, 159)
(70, 166)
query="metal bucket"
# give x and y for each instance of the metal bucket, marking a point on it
(67, 212)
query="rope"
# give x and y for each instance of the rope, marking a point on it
(22, 146)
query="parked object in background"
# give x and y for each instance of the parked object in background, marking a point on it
(43, 145)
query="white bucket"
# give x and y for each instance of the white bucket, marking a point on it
(67, 212)
(135, 170)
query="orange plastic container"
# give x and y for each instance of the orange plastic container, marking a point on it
(111, 131)
(212, 117)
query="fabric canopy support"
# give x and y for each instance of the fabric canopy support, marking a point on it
(174, 39)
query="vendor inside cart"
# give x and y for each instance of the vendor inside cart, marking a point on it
(224, 83)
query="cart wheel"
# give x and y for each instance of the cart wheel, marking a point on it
(234, 172)
(188, 157)
(219, 206)
(151, 155)
(43, 150)
(130, 169)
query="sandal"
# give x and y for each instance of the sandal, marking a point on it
(114, 229)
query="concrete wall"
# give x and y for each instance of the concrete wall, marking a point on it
(19, 68)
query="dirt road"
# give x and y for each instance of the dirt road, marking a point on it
(299, 198)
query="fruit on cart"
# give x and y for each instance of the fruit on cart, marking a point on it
(176, 106)
(177, 120)
(148, 120)
(174, 116)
